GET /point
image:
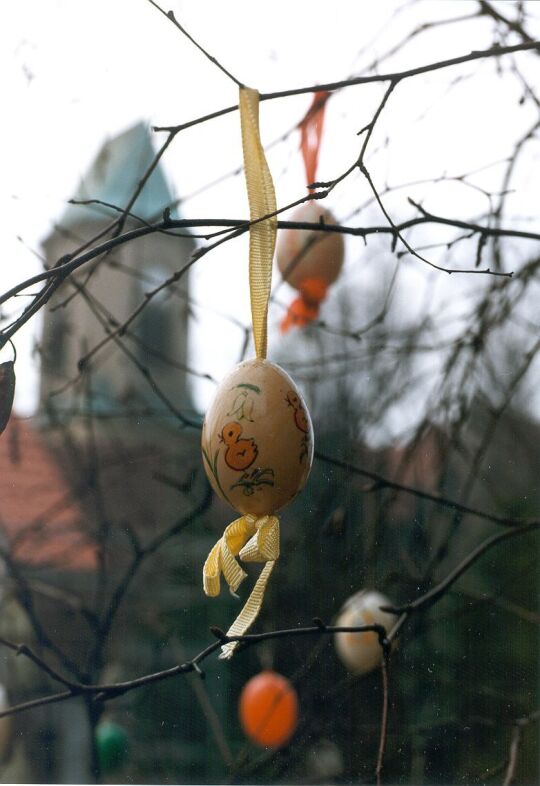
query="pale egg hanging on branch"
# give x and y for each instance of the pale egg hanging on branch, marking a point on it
(310, 260)
(257, 437)
(362, 652)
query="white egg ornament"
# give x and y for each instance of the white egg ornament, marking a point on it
(257, 439)
(362, 652)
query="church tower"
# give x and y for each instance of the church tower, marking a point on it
(105, 293)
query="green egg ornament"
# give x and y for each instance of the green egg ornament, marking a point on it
(112, 745)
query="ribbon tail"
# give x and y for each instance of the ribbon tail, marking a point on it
(212, 571)
(221, 558)
(250, 612)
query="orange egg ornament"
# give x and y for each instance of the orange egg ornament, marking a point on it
(362, 652)
(268, 709)
(309, 261)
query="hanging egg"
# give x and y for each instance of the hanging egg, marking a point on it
(112, 745)
(362, 652)
(257, 439)
(268, 709)
(324, 762)
(304, 254)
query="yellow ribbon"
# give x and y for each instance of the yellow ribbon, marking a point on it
(262, 202)
(252, 539)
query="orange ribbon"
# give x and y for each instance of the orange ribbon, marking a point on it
(311, 128)
(305, 309)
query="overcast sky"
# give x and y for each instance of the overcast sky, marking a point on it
(80, 72)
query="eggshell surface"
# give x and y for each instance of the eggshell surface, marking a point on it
(307, 254)
(257, 439)
(361, 652)
(268, 709)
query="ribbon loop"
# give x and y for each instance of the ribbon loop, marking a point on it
(262, 202)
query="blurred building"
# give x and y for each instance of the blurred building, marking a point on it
(116, 284)
(49, 561)
(104, 464)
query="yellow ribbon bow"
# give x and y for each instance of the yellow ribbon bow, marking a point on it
(252, 538)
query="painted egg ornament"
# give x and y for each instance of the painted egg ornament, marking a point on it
(362, 652)
(268, 709)
(257, 439)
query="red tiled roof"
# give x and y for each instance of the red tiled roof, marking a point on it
(40, 520)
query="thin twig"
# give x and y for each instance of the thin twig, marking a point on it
(73, 263)
(383, 482)
(113, 690)
(517, 734)
(395, 76)
(433, 595)
(105, 692)
(213, 720)
(384, 717)
(170, 15)
(24, 649)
